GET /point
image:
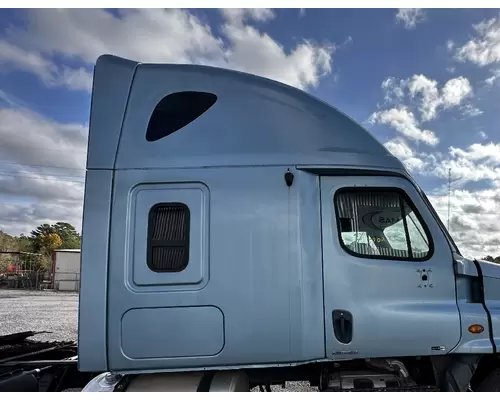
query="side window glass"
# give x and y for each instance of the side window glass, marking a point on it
(176, 111)
(381, 224)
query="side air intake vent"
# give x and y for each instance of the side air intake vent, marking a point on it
(168, 237)
(177, 110)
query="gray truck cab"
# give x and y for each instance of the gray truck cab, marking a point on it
(240, 230)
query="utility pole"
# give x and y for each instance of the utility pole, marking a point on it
(449, 196)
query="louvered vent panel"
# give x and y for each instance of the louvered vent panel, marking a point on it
(168, 249)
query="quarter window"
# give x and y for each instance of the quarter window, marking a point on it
(176, 111)
(381, 224)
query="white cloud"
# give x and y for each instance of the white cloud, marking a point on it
(45, 188)
(493, 78)
(12, 56)
(41, 172)
(427, 88)
(488, 154)
(148, 35)
(348, 40)
(484, 48)
(22, 217)
(476, 163)
(470, 111)
(33, 194)
(32, 62)
(43, 161)
(404, 122)
(410, 17)
(454, 91)
(483, 135)
(160, 35)
(451, 95)
(426, 93)
(12, 100)
(24, 135)
(400, 149)
(239, 15)
(450, 45)
(75, 78)
(465, 207)
(258, 53)
(393, 89)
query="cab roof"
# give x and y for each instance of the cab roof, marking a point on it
(172, 115)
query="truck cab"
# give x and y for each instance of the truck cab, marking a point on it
(240, 230)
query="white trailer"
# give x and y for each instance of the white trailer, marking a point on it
(66, 270)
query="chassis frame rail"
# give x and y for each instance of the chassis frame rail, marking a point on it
(27, 365)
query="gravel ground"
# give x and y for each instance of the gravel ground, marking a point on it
(57, 313)
(292, 387)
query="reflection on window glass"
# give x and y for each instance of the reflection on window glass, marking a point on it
(380, 224)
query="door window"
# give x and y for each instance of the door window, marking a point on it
(381, 224)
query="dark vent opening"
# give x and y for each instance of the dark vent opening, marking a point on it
(168, 237)
(177, 110)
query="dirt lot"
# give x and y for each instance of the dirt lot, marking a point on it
(57, 313)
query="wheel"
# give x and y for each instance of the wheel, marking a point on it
(491, 383)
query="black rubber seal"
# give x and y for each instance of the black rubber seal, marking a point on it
(483, 302)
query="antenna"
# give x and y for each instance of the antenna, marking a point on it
(449, 196)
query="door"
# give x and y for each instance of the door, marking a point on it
(389, 283)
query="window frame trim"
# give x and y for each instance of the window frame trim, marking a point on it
(150, 246)
(403, 195)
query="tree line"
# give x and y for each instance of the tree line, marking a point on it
(492, 259)
(36, 248)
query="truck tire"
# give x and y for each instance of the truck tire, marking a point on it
(491, 383)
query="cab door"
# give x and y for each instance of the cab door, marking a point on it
(389, 283)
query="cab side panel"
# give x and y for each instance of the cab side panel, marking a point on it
(472, 309)
(252, 290)
(112, 82)
(94, 271)
(492, 301)
(491, 283)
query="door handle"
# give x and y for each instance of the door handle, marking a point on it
(342, 325)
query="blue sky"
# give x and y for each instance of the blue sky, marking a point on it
(424, 82)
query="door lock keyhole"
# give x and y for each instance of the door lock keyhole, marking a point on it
(424, 277)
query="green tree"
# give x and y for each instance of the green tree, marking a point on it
(7, 243)
(492, 259)
(46, 238)
(50, 242)
(68, 234)
(42, 241)
(70, 239)
(24, 243)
